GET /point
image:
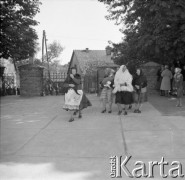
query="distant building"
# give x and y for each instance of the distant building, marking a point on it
(90, 65)
(11, 75)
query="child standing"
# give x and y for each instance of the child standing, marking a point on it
(178, 85)
(107, 86)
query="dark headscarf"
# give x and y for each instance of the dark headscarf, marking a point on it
(140, 80)
(69, 80)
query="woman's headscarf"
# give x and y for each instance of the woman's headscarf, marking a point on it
(121, 78)
(141, 72)
(177, 70)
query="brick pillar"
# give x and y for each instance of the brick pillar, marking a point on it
(150, 70)
(31, 80)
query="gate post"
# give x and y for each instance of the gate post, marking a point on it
(150, 70)
(31, 80)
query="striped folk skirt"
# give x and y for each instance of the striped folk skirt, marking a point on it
(107, 95)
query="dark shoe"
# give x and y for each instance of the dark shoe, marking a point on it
(136, 111)
(74, 113)
(71, 120)
(109, 111)
(79, 116)
(139, 111)
(103, 111)
(130, 107)
(125, 113)
(119, 113)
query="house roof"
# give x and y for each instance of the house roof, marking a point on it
(90, 60)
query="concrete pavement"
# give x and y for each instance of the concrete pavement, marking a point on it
(38, 142)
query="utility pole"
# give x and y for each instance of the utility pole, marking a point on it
(43, 36)
(44, 42)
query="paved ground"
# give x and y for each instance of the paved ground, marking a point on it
(37, 141)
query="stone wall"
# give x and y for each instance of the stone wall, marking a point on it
(31, 80)
(150, 70)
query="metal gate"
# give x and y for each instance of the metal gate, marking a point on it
(54, 84)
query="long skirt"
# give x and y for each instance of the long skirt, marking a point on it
(124, 97)
(74, 101)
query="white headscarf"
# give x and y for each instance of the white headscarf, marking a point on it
(121, 78)
(177, 70)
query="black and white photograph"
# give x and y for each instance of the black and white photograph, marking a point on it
(92, 89)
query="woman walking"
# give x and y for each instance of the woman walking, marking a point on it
(159, 79)
(123, 89)
(140, 85)
(166, 80)
(107, 87)
(178, 85)
(75, 99)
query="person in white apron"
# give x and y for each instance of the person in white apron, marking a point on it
(123, 89)
(75, 99)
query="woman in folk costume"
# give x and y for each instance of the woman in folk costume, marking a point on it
(178, 85)
(75, 99)
(140, 84)
(107, 87)
(123, 89)
(166, 80)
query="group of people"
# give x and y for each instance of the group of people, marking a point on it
(171, 81)
(126, 89)
(11, 90)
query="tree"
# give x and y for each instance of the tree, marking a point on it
(154, 30)
(17, 34)
(54, 50)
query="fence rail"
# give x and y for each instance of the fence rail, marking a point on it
(56, 77)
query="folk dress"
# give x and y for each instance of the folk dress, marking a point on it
(123, 87)
(75, 98)
(107, 87)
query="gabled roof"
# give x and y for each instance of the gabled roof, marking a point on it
(90, 60)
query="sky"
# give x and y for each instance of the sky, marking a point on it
(76, 24)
